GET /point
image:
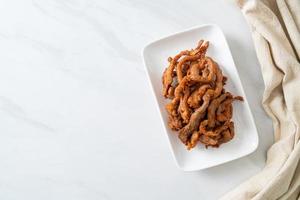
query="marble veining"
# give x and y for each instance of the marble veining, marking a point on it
(78, 118)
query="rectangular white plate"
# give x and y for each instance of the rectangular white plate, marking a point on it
(245, 141)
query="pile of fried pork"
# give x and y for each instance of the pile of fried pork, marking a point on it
(200, 109)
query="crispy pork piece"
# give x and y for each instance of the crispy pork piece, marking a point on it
(168, 74)
(186, 132)
(195, 99)
(211, 112)
(184, 109)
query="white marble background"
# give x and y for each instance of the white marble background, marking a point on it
(77, 117)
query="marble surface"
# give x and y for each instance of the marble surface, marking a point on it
(78, 119)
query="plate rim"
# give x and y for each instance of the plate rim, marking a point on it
(251, 150)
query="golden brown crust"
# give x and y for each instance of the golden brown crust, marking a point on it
(183, 61)
(211, 113)
(168, 74)
(184, 109)
(185, 132)
(219, 80)
(196, 71)
(175, 121)
(193, 141)
(195, 99)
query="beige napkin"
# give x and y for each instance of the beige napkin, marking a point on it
(275, 26)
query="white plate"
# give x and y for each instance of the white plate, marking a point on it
(245, 141)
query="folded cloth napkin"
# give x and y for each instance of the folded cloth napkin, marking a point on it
(275, 27)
